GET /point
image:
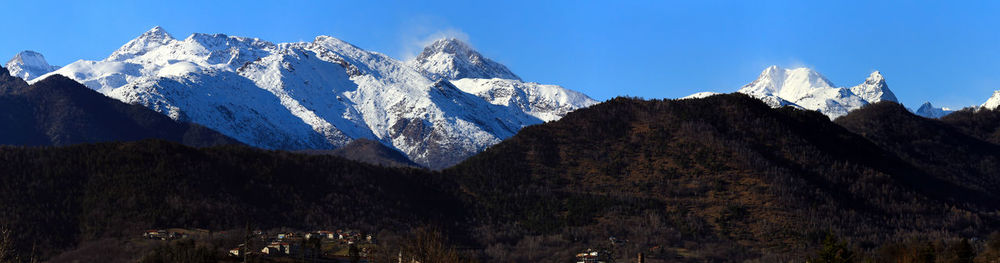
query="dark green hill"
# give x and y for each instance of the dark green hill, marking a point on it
(940, 148)
(983, 124)
(368, 151)
(723, 178)
(719, 179)
(57, 197)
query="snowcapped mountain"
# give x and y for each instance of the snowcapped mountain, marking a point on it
(874, 89)
(929, 111)
(29, 65)
(807, 89)
(325, 93)
(993, 102)
(451, 58)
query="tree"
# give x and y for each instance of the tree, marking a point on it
(963, 252)
(354, 253)
(6, 245)
(925, 253)
(833, 251)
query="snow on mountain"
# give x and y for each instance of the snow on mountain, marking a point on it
(874, 89)
(545, 102)
(325, 93)
(929, 111)
(451, 58)
(29, 65)
(993, 102)
(700, 95)
(805, 88)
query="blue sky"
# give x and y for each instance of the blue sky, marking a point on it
(946, 53)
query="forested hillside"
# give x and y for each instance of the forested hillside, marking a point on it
(723, 178)
(55, 198)
(720, 179)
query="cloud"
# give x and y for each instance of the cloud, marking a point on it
(424, 30)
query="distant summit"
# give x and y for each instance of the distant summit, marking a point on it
(450, 58)
(806, 88)
(929, 111)
(874, 89)
(29, 65)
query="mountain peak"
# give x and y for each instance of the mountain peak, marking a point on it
(157, 31)
(156, 34)
(784, 82)
(874, 89)
(928, 110)
(772, 69)
(29, 65)
(808, 89)
(451, 58)
(149, 40)
(451, 45)
(876, 76)
(993, 102)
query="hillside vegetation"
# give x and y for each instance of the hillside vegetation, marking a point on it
(720, 179)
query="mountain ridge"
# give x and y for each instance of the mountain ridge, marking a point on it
(323, 94)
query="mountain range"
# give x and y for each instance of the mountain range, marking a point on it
(804, 88)
(446, 104)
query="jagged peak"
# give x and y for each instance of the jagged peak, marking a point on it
(452, 46)
(874, 89)
(928, 110)
(451, 58)
(149, 40)
(156, 32)
(925, 108)
(449, 45)
(875, 77)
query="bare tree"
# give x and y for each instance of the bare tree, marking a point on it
(7, 253)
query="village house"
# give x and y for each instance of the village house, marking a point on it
(279, 248)
(593, 256)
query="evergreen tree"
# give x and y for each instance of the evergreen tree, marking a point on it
(833, 251)
(964, 252)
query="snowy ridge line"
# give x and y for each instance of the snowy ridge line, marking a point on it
(439, 108)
